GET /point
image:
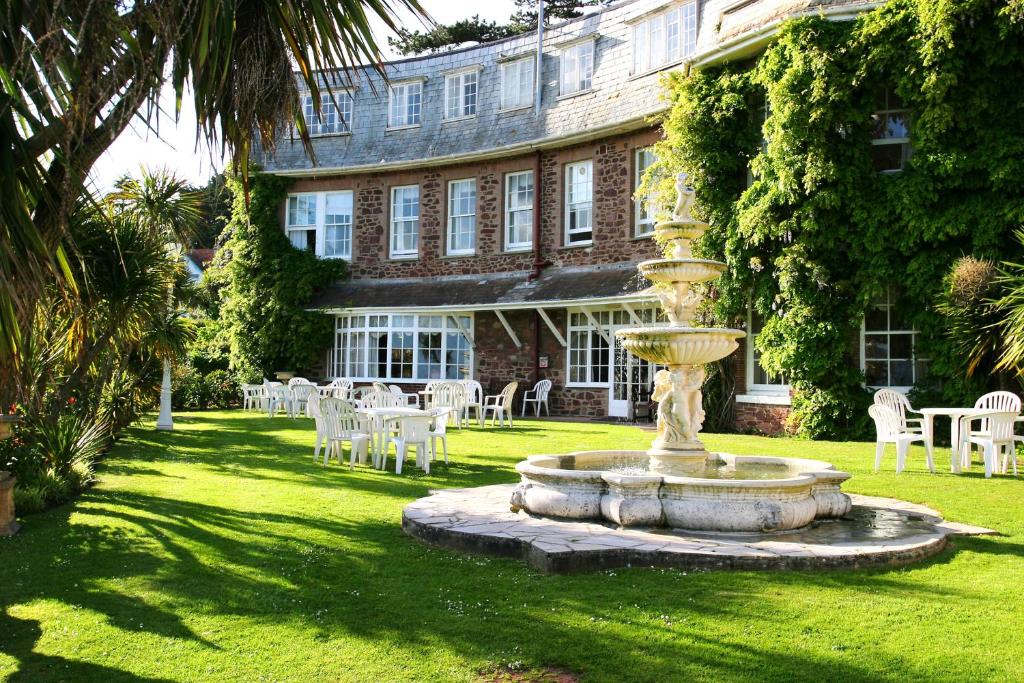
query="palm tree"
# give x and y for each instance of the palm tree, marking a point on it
(75, 73)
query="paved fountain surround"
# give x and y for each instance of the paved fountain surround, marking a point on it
(876, 532)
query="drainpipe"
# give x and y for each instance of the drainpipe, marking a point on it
(538, 261)
(539, 80)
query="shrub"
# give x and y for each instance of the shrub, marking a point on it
(223, 389)
(189, 390)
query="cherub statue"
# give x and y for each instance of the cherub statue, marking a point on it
(680, 303)
(684, 200)
(671, 428)
(692, 381)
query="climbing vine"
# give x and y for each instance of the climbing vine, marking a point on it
(263, 286)
(779, 153)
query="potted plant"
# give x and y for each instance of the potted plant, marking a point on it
(8, 526)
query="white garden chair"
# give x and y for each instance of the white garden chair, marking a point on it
(381, 399)
(300, 398)
(316, 412)
(428, 397)
(451, 395)
(298, 380)
(279, 397)
(341, 425)
(251, 396)
(413, 432)
(538, 396)
(407, 399)
(439, 431)
(994, 401)
(500, 405)
(900, 405)
(996, 438)
(379, 386)
(339, 388)
(890, 429)
(474, 400)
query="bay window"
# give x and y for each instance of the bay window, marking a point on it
(402, 347)
(579, 194)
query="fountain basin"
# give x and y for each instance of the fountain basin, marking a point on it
(681, 270)
(730, 494)
(675, 345)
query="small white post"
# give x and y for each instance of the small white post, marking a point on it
(164, 422)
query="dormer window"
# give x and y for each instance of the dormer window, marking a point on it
(335, 113)
(665, 38)
(460, 94)
(406, 104)
(517, 79)
(577, 68)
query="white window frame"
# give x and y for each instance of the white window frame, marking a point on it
(346, 104)
(454, 216)
(570, 206)
(576, 68)
(393, 222)
(643, 226)
(653, 49)
(399, 94)
(904, 142)
(595, 340)
(358, 324)
(319, 225)
(463, 106)
(889, 304)
(513, 73)
(776, 393)
(511, 211)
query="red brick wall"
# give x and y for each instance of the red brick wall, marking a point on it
(761, 418)
(614, 242)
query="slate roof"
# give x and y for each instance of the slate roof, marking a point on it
(488, 290)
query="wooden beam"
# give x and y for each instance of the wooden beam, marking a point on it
(551, 326)
(463, 330)
(508, 328)
(632, 314)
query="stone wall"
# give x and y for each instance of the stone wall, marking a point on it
(761, 418)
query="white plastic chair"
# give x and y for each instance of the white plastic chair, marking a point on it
(298, 380)
(994, 401)
(381, 399)
(340, 425)
(439, 431)
(474, 400)
(250, 396)
(996, 439)
(450, 395)
(339, 388)
(428, 398)
(300, 397)
(900, 405)
(413, 432)
(538, 396)
(889, 429)
(500, 405)
(277, 398)
(408, 399)
(316, 412)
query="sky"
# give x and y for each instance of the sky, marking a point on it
(174, 147)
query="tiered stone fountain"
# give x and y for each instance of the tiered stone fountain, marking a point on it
(677, 505)
(677, 483)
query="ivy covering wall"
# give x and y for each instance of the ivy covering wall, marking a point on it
(779, 153)
(263, 286)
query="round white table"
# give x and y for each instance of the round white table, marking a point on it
(379, 418)
(955, 415)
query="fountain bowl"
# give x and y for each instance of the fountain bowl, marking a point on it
(669, 271)
(731, 494)
(675, 345)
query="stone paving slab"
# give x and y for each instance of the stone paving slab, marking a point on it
(878, 532)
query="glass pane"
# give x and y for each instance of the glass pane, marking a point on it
(901, 373)
(900, 346)
(876, 373)
(876, 319)
(876, 346)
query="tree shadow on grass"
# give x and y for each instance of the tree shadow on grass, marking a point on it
(348, 571)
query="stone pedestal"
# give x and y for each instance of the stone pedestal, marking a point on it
(8, 527)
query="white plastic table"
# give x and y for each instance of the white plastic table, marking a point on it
(379, 418)
(954, 415)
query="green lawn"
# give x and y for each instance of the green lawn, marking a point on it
(222, 552)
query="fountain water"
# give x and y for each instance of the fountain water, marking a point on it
(677, 483)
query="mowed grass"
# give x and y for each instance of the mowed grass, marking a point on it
(221, 552)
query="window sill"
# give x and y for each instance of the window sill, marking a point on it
(570, 95)
(577, 245)
(519, 250)
(411, 126)
(600, 385)
(516, 110)
(661, 67)
(645, 236)
(459, 254)
(457, 119)
(336, 257)
(342, 134)
(403, 257)
(765, 398)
